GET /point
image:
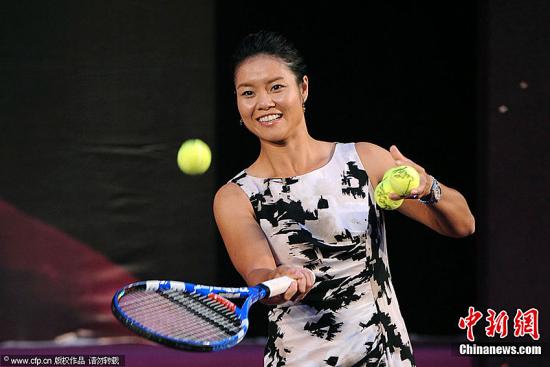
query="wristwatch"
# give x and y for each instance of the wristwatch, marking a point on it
(434, 195)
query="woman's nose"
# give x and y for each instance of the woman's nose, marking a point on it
(265, 101)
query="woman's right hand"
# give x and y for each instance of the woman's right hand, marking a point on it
(299, 288)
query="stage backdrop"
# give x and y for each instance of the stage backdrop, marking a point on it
(515, 169)
(95, 99)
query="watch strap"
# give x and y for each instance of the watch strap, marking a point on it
(434, 195)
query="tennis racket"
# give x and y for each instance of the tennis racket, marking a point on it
(188, 316)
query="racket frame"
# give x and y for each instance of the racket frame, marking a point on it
(251, 295)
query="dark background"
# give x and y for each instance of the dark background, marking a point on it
(97, 96)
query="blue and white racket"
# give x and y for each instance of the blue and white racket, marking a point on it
(188, 316)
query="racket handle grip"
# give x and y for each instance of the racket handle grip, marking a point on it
(280, 285)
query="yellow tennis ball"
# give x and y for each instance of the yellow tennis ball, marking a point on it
(403, 179)
(194, 157)
(381, 196)
(387, 174)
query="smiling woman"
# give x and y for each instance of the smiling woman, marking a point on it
(271, 89)
(306, 204)
(268, 96)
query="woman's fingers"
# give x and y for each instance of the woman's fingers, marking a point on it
(396, 154)
(301, 280)
(310, 278)
(291, 291)
(302, 284)
(425, 179)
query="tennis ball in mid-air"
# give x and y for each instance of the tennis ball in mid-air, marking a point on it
(403, 179)
(381, 195)
(194, 157)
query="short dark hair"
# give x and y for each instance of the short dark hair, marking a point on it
(272, 44)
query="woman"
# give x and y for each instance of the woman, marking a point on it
(307, 206)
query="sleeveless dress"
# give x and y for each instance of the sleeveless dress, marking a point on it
(327, 221)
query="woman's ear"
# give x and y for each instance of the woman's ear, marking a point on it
(304, 88)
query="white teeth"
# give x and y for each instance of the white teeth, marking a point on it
(269, 118)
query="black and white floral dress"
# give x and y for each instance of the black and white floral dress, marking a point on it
(327, 221)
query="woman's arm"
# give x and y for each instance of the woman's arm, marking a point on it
(248, 248)
(450, 216)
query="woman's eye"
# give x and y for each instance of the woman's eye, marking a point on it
(277, 87)
(247, 93)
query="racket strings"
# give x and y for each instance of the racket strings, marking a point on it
(208, 309)
(173, 321)
(181, 315)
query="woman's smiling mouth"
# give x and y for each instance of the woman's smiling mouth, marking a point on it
(268, 120)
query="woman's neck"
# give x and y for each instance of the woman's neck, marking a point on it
(294, 157)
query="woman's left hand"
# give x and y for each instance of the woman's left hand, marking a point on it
(425, 180)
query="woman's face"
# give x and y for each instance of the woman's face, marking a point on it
(268, 97)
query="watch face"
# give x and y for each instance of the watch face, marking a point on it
(436, 190)
(434, 195)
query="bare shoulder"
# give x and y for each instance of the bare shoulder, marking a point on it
(366, 148)
(230, 197)
(375, 159)
(229, 191)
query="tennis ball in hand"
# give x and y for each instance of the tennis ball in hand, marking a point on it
(381, 195)
(194, 157)
(403, 179)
